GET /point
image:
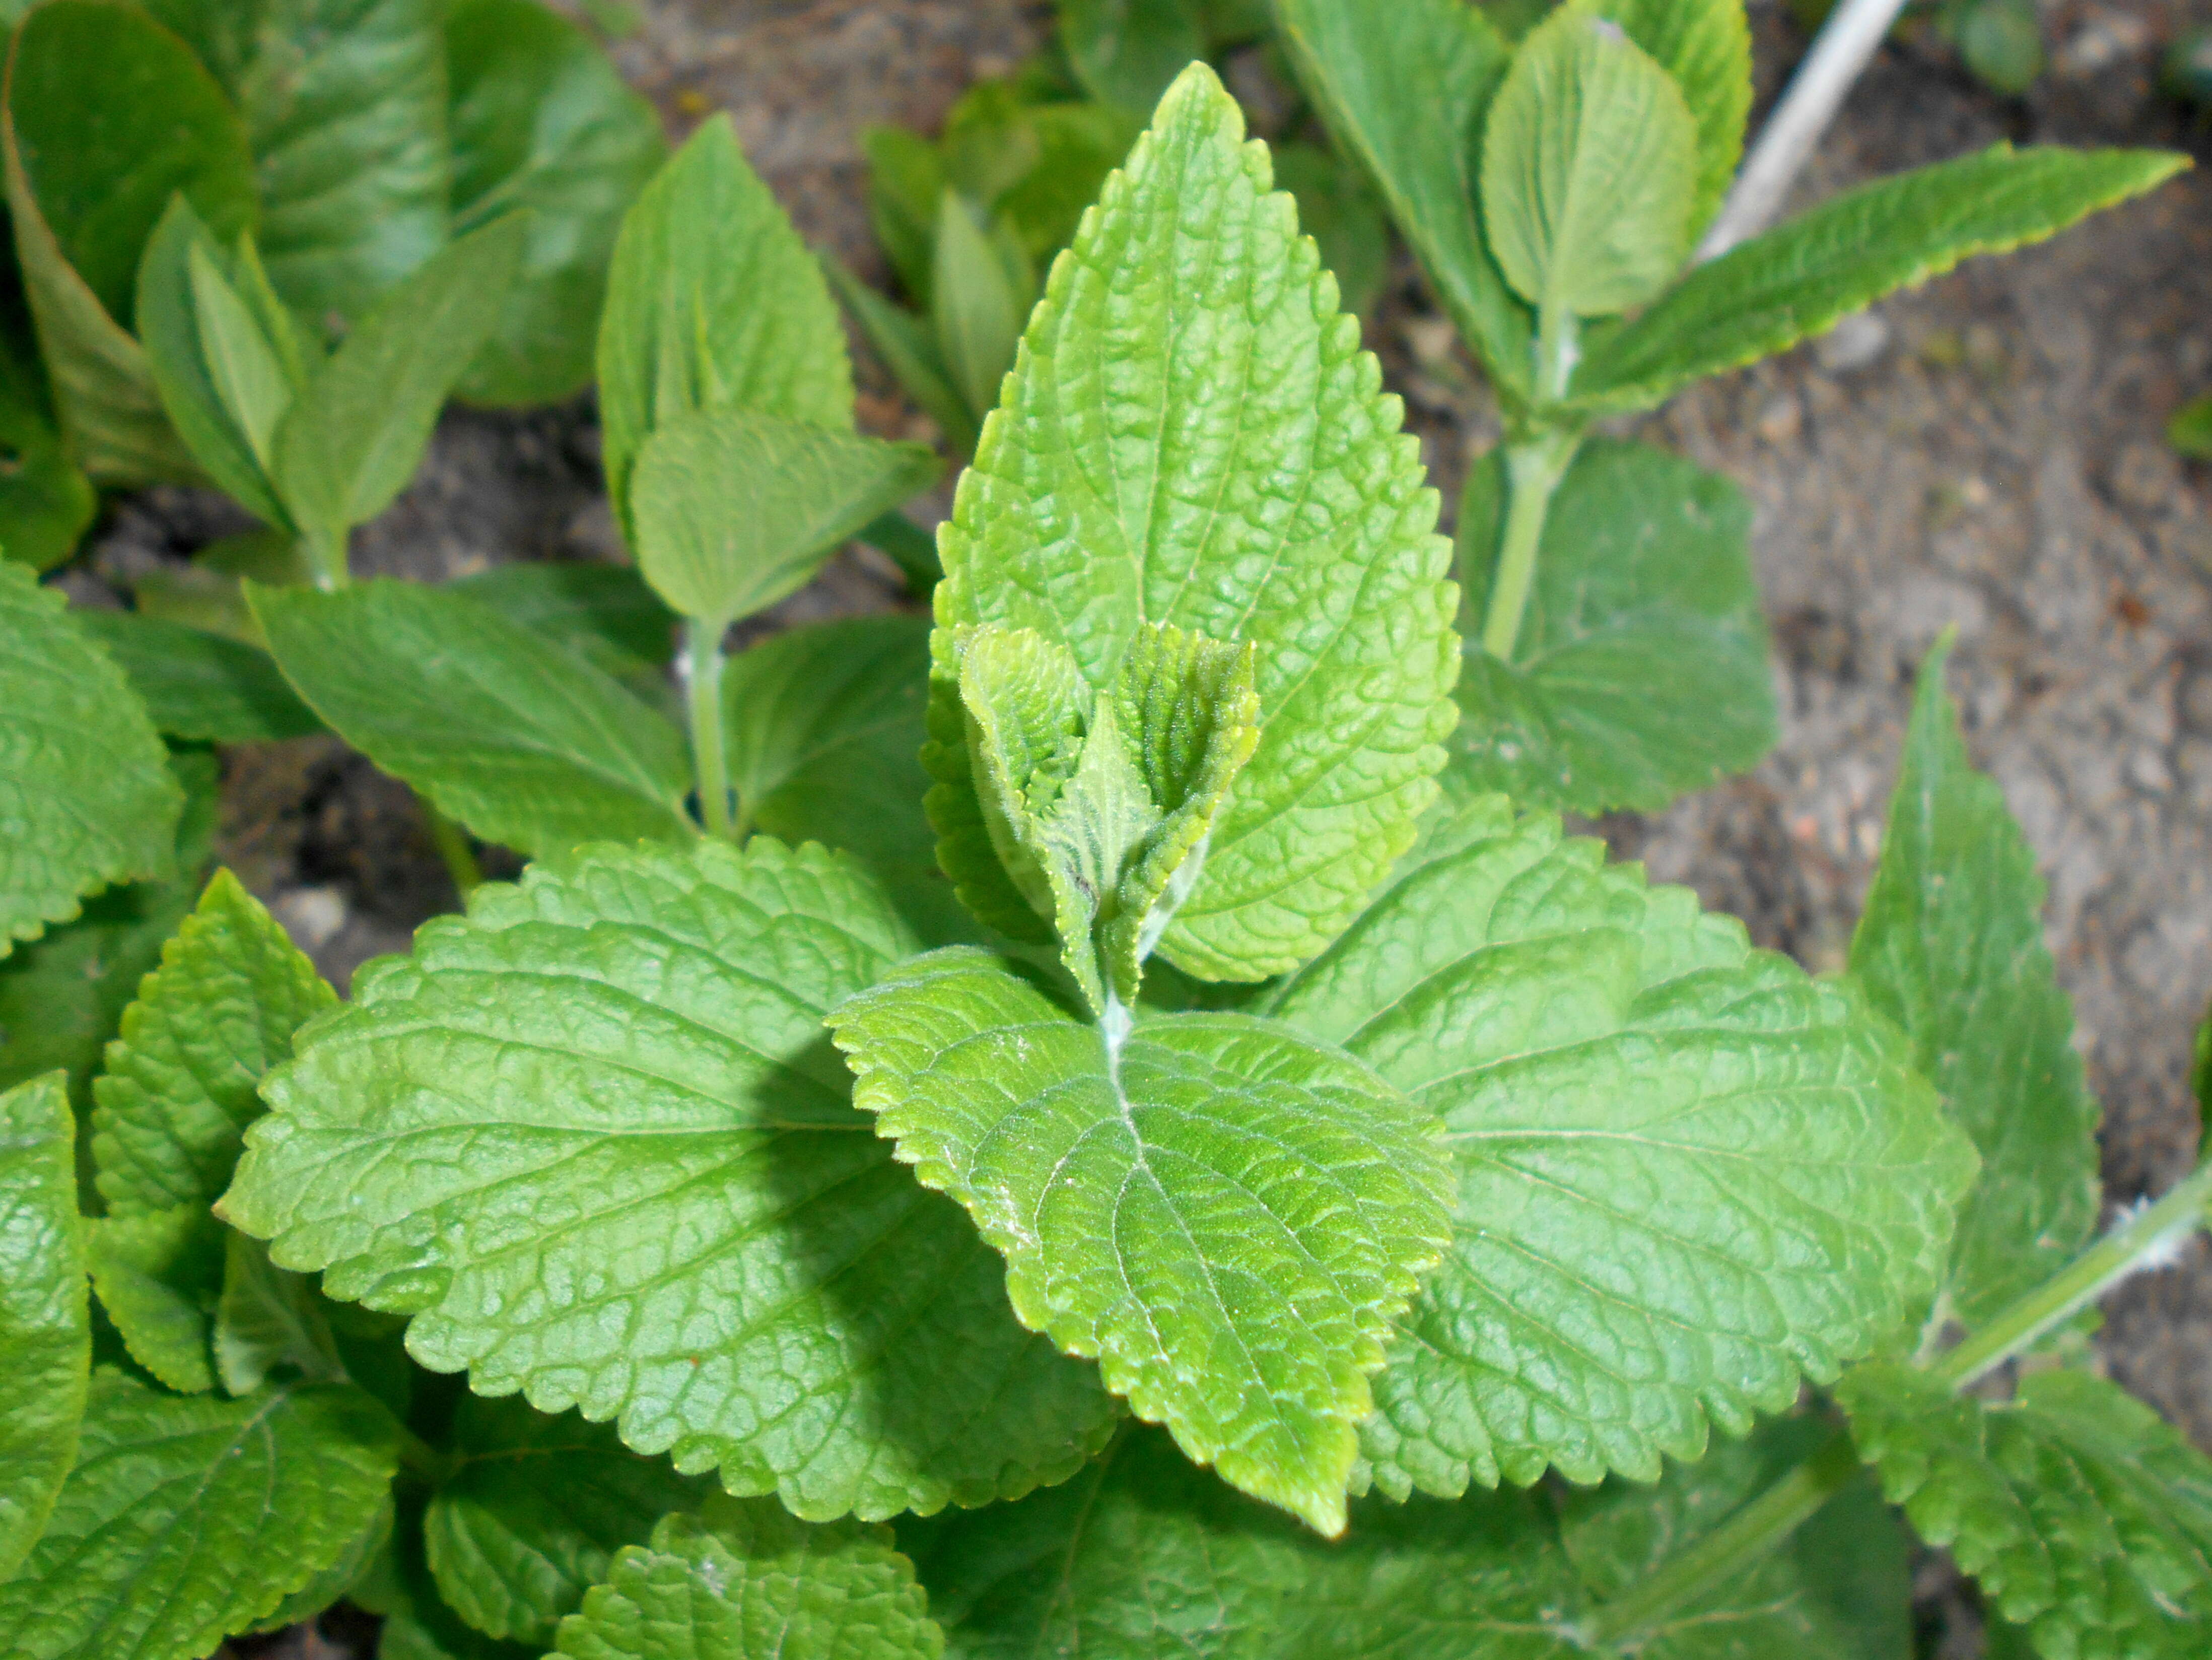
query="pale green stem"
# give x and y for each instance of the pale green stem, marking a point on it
(452, 844)
(1533, 468)
(325, 553)
(710, 760)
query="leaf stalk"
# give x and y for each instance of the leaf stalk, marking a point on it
(452, 842)
(1533, 468)
(703, 643)
(324, 551)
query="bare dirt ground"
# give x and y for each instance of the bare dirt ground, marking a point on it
(1985, 453)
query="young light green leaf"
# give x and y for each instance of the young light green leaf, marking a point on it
(743, 1578)
(198, 685)
(824, 730)
(1227, 1216)
(1950, 946)
(187, 1519)
(345, 101)
(1800, 280)
(713, 302)
(732, 511)
(744, 1277)
(182, 1080)
(268, 1322)
(1404, 86)
(1143, 1555)
(534, 1510)
(87, 798)
(45, 500)
(107, 116)
(1126, 52)
(1688, 1176)
(977, 303)
(46, 1332)
(908, 349)
(1589, 170)
(1641, 673)
(353, 435)
(159, 1274)
(2081, 1515)
(541, 120)
(537, 750)
(221, 351)
(1704, 45)
(1192, 487)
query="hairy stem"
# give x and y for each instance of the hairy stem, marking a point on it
(1533, 468)
(710, 761)
(1744, 1539)
(2145, 1240)
(452, 844)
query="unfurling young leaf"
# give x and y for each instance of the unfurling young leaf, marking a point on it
(1237, 474)
(731, 511)
(1227, 1216)
(87, 798)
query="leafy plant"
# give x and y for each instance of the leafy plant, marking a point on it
(1999, 41)
(720, 1240)
(1553, 190)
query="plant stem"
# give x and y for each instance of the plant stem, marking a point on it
(703, 642)
(1533, 467)
(1746, 1538)
(325, 552)
(452, 842)
(2143, 1241)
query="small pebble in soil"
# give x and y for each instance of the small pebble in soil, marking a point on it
(1855, 344)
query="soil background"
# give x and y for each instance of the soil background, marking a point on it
(1985, 453)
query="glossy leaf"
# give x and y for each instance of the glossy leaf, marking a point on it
(1404, 86)
(538, 751)
(199, 685)
(742, 1578)
(1227, 1216)
(187, 1518)
(86, 795)
(2081, 1514)
(1641, 673)
(1237, 474)
(541, 120)
(1688, 1177)
(649, 1197)
(1803, 278)
(1950, 946)
(713, 302)
(535, 1509)
(45, 1333)
(733, 511)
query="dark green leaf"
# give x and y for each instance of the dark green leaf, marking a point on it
(905, 183)
(541, 120)
(269, 1322)
(2190, 431)
(201, 685)
(45, 1333)
(1077, 146)
(605, 613)
(1641, 673)
(537, 750)
(1125, 53)
(45, 500)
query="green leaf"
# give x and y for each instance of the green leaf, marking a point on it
(1126, 52)
(534, 1510)
(1143, 1555)
(908, 349)
(1240, 476)
(905, 183)
(2190, 431)
(2081, 1516)
(1641, 673)
(648, 1196)
(733, 511)
(1227, 1216)
(268, 1322)
(187, 1519)
(200, 686)
(537, 750)
(222, 354)
(45, 500)
(1802, 278)
(86, 795)
(182, 1080)
(46, 1332)
(346, 103)
(977, 304)
(713, 302)
(1951, 948)
(417, 1623)
(1344, 217)
(1404, 86)
(824, 726)
(1688, 1176)
(742, 1578)
(355, 434)
(108, 116)
(1839, 1587)
(1077, 146)
(2001, 42)
(1589, 170)
(541, 120)
(159, 1274)
(606, 613)
(1705, 46)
